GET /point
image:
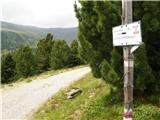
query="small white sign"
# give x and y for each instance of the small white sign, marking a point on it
(129, 34)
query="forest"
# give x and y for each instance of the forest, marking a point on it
(50, 54)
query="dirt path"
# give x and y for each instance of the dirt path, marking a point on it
(19, 102)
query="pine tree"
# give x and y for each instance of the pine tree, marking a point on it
(96, 20)
(7, 68)
(60, 55)
(148, 13)
(43, 53)
(117, 62)
(144, 81)
(108, 73)
(74, 58)
(86, 51)
(25, 62)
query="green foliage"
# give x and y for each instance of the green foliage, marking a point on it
(32, 61)
(25, 62)
(74, 58)
(148, 13)
(146, 112)
(117, 61)
(7, 68)
(60, 55)
(144, 79)
(43, 53)
(105, 68)
(96, 20)
(86, 51)
(95, 64)
(108, 73)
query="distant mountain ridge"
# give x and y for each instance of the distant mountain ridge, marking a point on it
(14, 35)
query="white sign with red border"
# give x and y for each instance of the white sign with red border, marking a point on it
(126, 35)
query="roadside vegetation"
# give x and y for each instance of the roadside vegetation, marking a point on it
(42, 75)
(98, 101)
(50, 54)
(96, 20)
(102, 96)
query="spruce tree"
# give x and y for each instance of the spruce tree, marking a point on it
(74, 58)
(25, 62)
(96, 20)
(148, 12)
(108, 73)
(60, 55)
(117, 61)
(43, 53)
(144, 81)
(7, 68)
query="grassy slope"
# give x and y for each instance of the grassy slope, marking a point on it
(93, 104)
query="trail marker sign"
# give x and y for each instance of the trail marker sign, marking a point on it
(127, 35)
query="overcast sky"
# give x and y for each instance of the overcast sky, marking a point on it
(41, 13)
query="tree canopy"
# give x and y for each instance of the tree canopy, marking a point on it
(96, 19)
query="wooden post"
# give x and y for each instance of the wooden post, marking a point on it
(128, 64)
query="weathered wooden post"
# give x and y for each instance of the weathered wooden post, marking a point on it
(128, 63)
(127, 35)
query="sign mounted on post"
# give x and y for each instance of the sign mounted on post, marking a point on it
(126, 35)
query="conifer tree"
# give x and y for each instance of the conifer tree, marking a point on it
(25, 62)
(43, 53)
(117, 62)
(74, 58)
(148, 12)
(96, 20)
(60, 55)
(143, 77)
(7, 68)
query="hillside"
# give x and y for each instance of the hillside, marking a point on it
(14, 35)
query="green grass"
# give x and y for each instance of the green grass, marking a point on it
(94, 103)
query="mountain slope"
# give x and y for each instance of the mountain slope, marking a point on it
(14, 35)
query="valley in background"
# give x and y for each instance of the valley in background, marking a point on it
(14, 35)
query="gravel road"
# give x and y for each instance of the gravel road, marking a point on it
(18, 103)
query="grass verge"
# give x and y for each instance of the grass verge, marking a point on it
(42, 75)
(94, 103)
